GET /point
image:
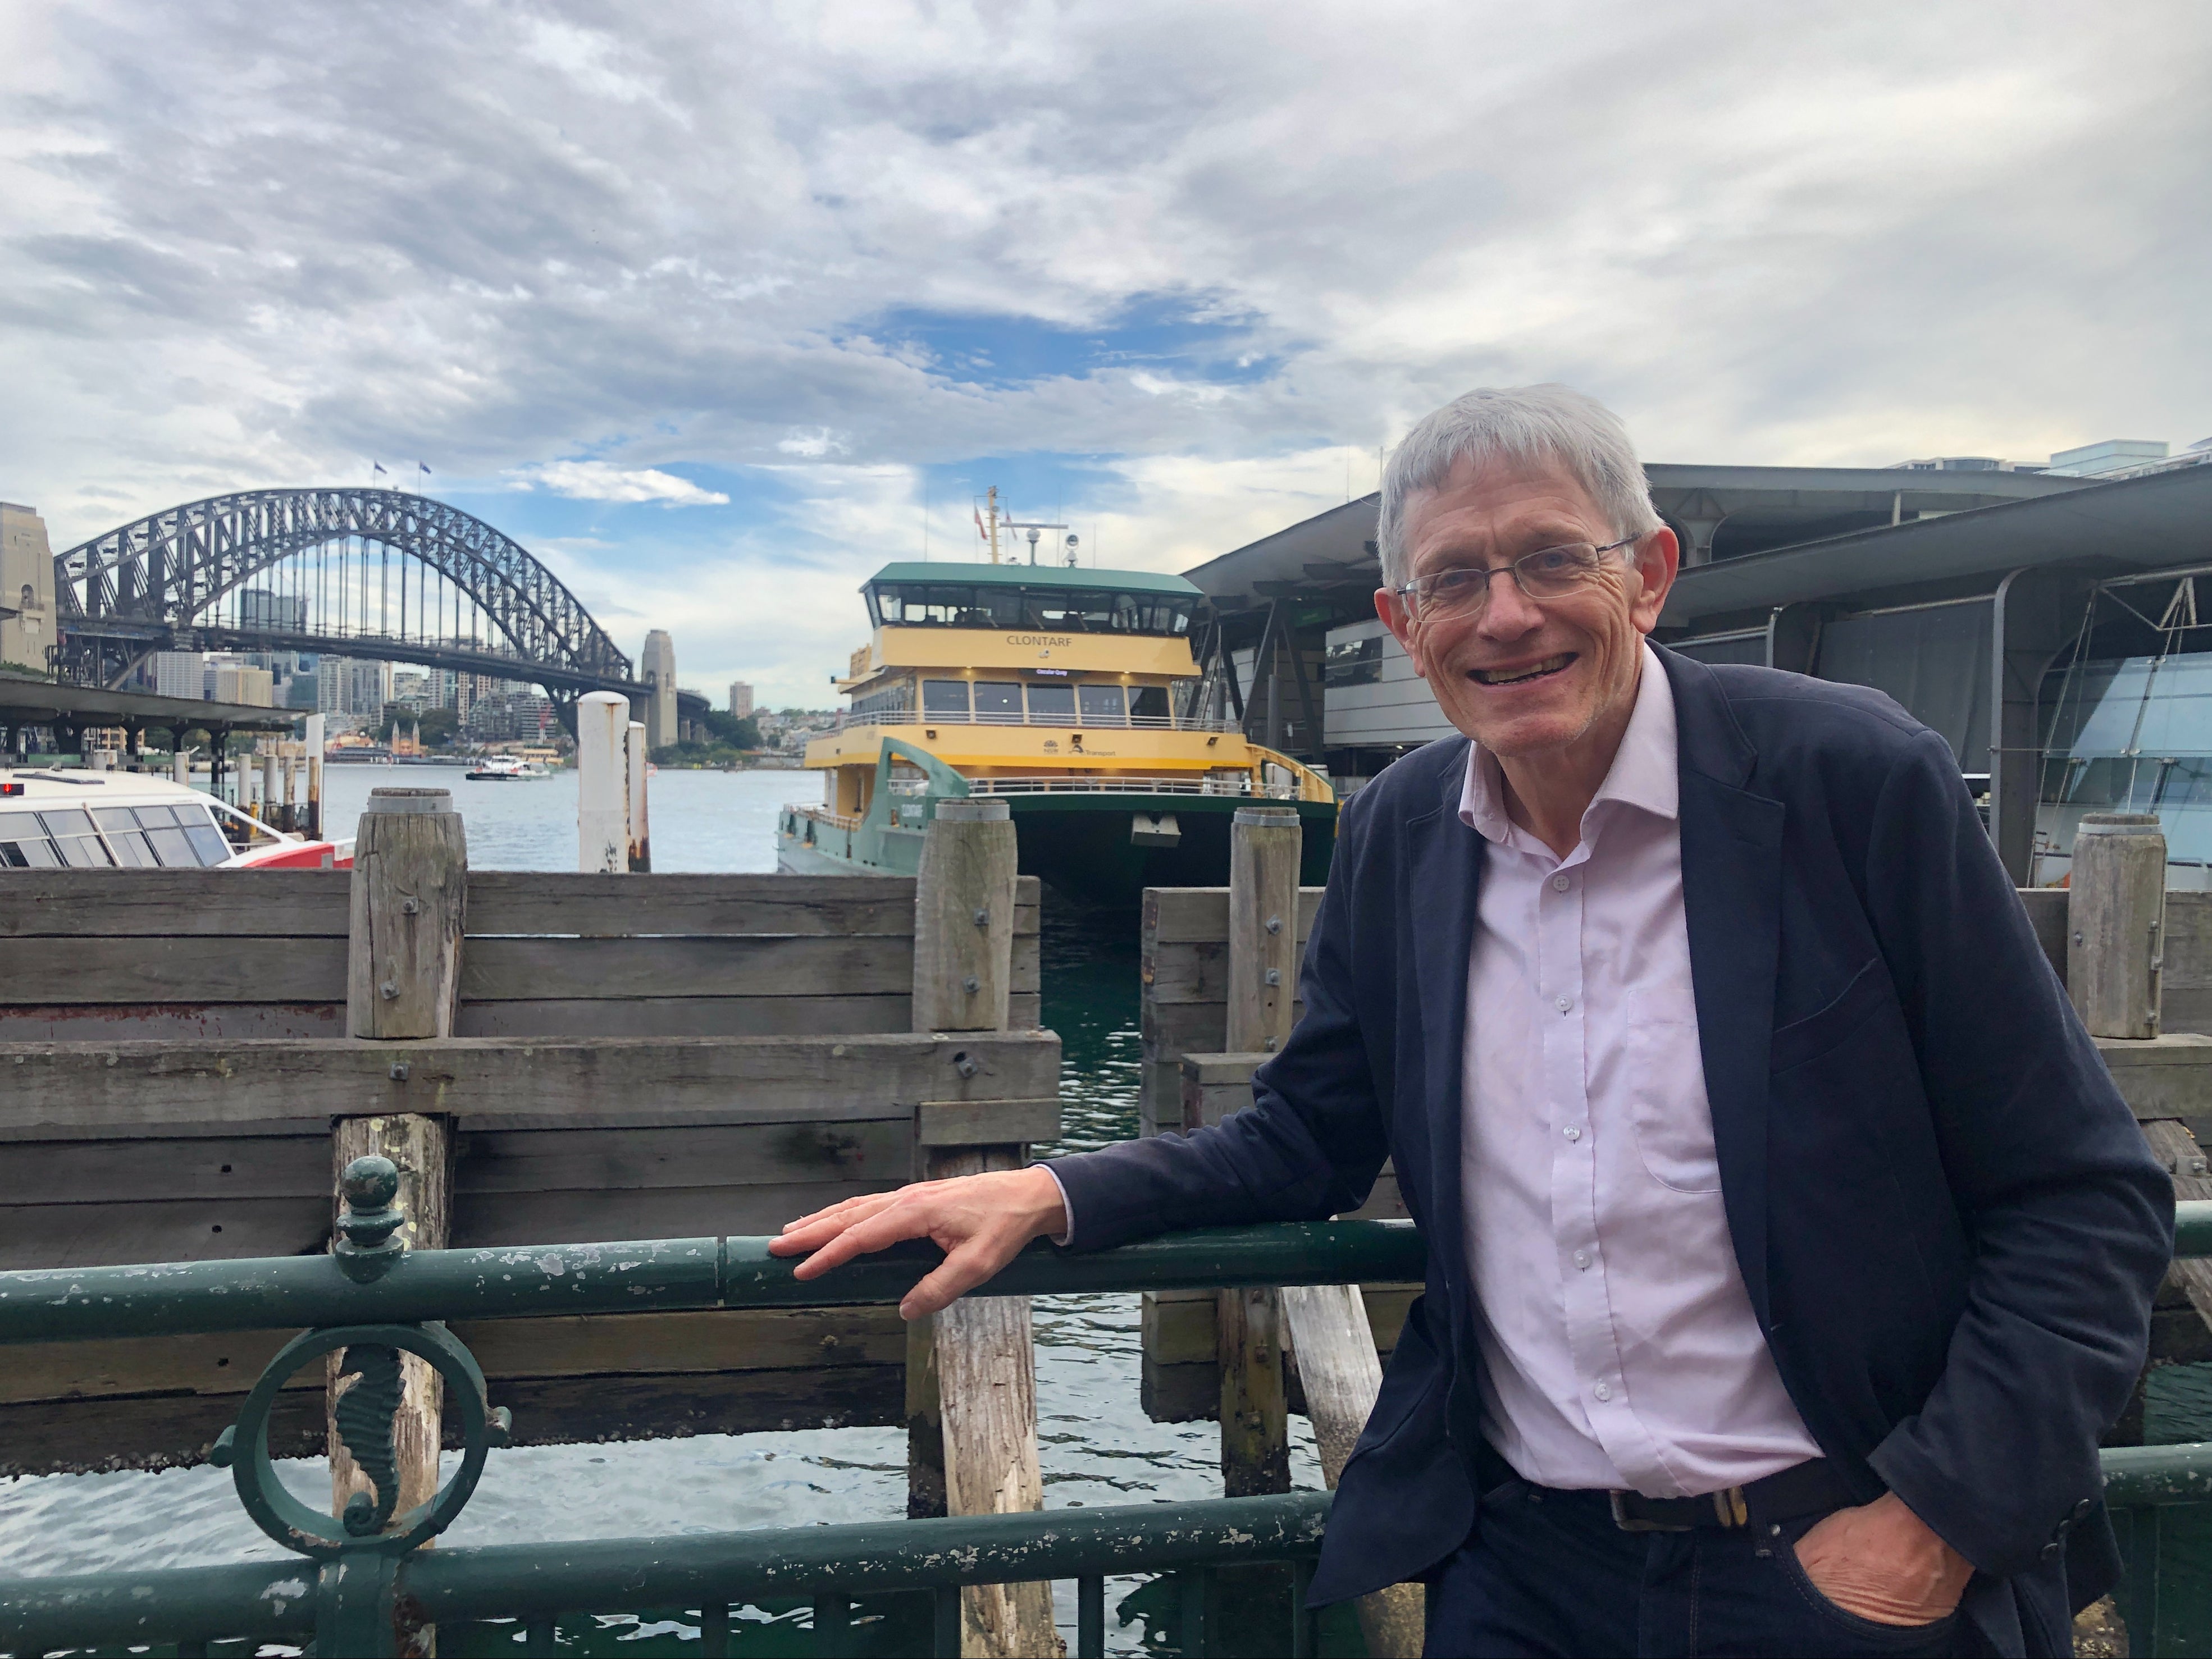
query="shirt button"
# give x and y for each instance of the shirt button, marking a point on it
(1564, 1003)
(1560, 884)
(1582, 1258)
(1573, 1133)
(1603, 1391)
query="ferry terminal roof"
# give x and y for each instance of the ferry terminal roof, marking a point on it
(1034, 575)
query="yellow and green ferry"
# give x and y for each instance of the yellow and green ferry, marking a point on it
(1072, 695)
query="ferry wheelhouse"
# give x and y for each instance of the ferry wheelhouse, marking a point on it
(1070, 694)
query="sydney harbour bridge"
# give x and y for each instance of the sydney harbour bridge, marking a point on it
(373, 574)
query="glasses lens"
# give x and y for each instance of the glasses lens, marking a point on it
(1556, 570)
(1452, 592)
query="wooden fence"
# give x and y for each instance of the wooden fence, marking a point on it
(639, 1056)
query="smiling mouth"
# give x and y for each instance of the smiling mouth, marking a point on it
(1543, 670)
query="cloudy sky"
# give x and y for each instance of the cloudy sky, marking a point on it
(716, 308)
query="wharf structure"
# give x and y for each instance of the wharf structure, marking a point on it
(2048, 625)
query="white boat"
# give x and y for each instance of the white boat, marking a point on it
(500, 767)
(74, 820)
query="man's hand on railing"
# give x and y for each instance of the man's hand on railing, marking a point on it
(982, 1221)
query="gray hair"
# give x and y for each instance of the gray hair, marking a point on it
(1521, 422)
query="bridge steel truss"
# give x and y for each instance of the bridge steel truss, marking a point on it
(147, 585)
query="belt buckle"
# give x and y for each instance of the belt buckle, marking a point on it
(1626, 1522)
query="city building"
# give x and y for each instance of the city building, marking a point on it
(178, 673)
(741, 699)
(226, 680)
(26, 588)
(657, 668)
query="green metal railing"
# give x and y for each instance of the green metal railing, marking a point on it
(353, 1581)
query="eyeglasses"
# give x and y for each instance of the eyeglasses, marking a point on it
(1549, 573)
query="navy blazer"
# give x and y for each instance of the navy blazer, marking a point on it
(1949, 1225)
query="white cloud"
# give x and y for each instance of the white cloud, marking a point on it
(1843, 231)
(597, 481)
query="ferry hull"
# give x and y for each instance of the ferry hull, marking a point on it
(1081, 845)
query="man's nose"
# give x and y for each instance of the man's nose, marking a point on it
(1511, 613)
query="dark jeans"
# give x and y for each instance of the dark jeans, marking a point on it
(1548, 1573)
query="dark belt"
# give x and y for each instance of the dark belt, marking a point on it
(1812, 1487)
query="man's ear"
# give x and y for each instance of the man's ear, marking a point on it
(1392, 610)
(1658, 558)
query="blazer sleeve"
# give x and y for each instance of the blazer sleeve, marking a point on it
(1309, 1147)
(2071, 1218)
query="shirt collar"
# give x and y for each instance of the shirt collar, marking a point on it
(1643, 772)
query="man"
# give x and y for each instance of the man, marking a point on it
(1789, 1245)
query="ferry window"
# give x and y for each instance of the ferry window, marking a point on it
(945, 700)
(1149, 704)
(999, 704)
(172, 847)
(23, 844)
(1104, 705)
(875, 607)
(894, 699)
(71, 828)
(1052, 703)
(1354, 662)
(943, 606)
(124, 839)
(207, 841)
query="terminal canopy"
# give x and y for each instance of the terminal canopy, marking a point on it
(1032, 598)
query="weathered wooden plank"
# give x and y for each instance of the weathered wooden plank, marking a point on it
(584, 1411)
(641, 1016)
(58, 1090)
(215, 1168)
(723, 1339)
(1193, 915)
(986, 1123)
(180, 1230)
(568, 1217)
(702, 1155)
(44, 972)
(172, 1432)
(2162, 1076)
(687, 1016)
(207, 904)
(528, 969)
(531, 902)
(566, 903)
(171, 1021)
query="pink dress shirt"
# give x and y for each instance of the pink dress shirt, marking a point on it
(1619, 1346)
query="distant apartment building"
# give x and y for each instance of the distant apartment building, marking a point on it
(239, 683)
(180, 674)
(349, 685)
(259, 608)
(741, 699)
(515, 712)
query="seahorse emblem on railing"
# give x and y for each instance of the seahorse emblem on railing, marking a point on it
(363, 1418)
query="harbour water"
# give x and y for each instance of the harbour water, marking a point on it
(1096, 1444)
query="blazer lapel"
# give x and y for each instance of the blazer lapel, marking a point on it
(1732, 900)
(1442, 871)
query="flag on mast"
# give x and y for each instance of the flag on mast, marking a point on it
(378, 466)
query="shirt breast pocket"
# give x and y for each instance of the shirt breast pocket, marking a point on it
(1673, 1124)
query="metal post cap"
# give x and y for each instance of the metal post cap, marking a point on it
(410, 800)
(1269, 817)
(972, 811)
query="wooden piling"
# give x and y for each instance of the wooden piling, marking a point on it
(1337, 1364)
(971, 1370)
(602, 776)
(635, 758)
(1263, 912)
(409, 899)
(2115, 923)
